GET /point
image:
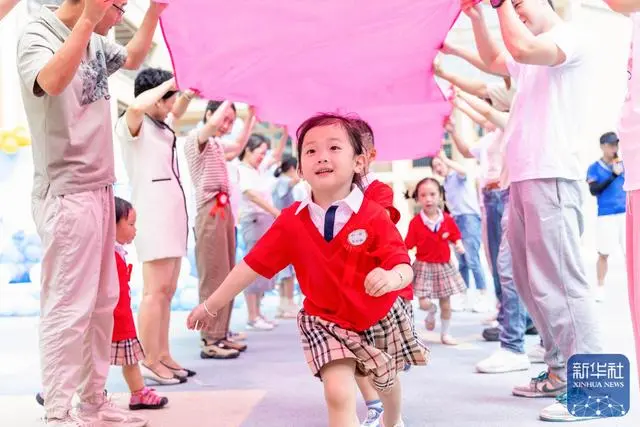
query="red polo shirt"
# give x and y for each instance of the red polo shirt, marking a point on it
(331, 274)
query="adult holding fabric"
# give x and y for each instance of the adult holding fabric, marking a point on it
(149, 153)
(549, 62)
(215, 224)
(64, 61)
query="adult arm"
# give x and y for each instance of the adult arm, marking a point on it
(140, 45)
(143, 103)
(461, 146)
(182, 103)
(262, 203)
(523, 46)
(476, 87)
(596, 187)
(455, 166)
(470, 56)
(6, 6)
(491, 54)
(470, 112)
(487, 112)
(232, 150)
(54, 73)
(276, 156)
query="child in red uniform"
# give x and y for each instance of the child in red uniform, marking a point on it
(382, 194)
(431, 231)
(352, 266)
(126, 350)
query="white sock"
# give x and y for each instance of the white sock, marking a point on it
(445, 326)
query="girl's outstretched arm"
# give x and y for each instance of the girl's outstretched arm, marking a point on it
(238, 279)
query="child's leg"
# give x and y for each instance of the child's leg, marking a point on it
(133, 377)
(430, 320)
(445, 317)
(141, 396)
(338, 378)
(392, 402)
(371, 398)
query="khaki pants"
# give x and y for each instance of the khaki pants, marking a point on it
(215, 258)
(78, 295)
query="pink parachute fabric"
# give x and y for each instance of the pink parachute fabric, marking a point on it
(294, 58)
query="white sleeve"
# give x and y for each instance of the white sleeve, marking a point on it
(248, 179)
(567, 38)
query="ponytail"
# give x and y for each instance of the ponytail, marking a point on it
(278, 172)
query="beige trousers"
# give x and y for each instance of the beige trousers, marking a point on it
(79, 293)
(215, 258)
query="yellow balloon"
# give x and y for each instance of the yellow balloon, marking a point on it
(9, 145)
(22, 136)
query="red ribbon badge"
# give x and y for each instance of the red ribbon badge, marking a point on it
(220, 201)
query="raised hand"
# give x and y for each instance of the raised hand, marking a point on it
(94, 10)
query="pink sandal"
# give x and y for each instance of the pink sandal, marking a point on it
(146, 399)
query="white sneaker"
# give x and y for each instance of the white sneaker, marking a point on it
(559, 412)
(503, 360)
(599, 293)
(71, 420)
(536, 354)
(259, 325)
(106, 412)
(374, 418)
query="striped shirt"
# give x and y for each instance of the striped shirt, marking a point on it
(208, 168)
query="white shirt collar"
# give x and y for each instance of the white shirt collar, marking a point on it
(433, 225)
(121, 250)
(353, 201)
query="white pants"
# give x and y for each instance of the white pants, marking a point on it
(78, 295)
(611, 233)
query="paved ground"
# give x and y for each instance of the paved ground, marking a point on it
(269, 386)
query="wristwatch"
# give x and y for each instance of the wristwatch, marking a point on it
(497, 3)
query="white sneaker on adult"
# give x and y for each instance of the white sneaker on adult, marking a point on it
(71, 420)
(536, 354)
(559, 412)
(105, 412)
(502, 361)
(259, 325)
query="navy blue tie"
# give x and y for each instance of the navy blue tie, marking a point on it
(329, 220)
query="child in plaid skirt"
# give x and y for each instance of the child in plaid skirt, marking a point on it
(352, 266)
(435, 276)
(126, 350)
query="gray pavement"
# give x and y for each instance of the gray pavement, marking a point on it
(270, 385)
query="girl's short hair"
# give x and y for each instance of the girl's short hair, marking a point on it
(122, 209)
(327, 119)
(287, 164)
(255, 141)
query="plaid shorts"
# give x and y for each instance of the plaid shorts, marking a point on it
(381, 351)
(126, 352)
(433, 280)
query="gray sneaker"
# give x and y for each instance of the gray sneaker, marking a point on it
(544, 385)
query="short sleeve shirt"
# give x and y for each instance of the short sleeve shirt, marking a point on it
(72, 134)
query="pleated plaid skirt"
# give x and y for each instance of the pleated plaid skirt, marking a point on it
(381, 351)
(126, 352)
(435, 280)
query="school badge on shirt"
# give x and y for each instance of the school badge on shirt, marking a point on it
(357, 237)
(445, 235)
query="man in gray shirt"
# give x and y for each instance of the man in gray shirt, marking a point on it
(64, 60)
